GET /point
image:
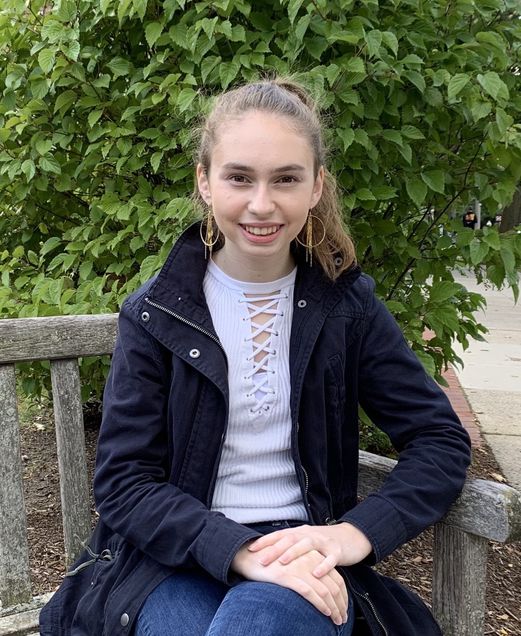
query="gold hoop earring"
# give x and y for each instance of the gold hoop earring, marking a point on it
(309, 245)
(208, 239)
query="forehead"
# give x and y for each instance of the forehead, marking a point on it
(261, 138)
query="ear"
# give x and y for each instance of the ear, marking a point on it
(318, 187)
(202, 183)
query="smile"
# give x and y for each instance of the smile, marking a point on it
(261, 231)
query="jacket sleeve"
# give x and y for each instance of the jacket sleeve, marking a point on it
(131, 488)
(434, 448)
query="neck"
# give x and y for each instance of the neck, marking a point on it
(261, 270)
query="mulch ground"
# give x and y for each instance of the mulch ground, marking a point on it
(411, 564)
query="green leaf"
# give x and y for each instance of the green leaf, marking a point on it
(415, 78)
(94, 117)
(417, 190)
(394, 136)
(391, 41)
(28, 169)
(46, 58)
(508, 258)
(64, 101)
(119, 67)
(149, 266)
(373, 41)
(50, 244)
(435, 179)
(411, 132)
(228, 72)
(428, 362)
(302, 27)
(456, 84)
(293, 9)
(347, 136)
(491, 238)
(153, 31)
(185, 99)
(478, 251)
(493, 85)
(383, 192)
(49, 164)
(155, 160)
(443, 290)
(480, 109)
(364, 194)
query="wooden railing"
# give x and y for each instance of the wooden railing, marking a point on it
(484, 511)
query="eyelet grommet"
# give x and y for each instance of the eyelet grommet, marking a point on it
(194, 353)
(302, 304)
(145, 316)
(338, 261)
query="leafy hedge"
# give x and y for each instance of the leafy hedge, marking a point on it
(99, 100)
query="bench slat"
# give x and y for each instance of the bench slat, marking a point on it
(72, 462)
(458, 581)
(56, 337)
(484, 508)
(15, 583)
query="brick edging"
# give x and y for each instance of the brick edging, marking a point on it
(461, 405)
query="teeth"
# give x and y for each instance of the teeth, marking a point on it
(261, 231)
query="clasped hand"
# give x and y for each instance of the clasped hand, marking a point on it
(304, 559)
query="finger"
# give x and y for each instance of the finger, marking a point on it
(264, 541)
(319, 595)
(338, 596)
(273, 552)
(341, 596)
(303, 546)
(328, 564)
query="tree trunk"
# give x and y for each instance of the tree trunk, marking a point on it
(511, 216)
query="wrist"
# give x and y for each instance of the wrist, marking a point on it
(354, 543)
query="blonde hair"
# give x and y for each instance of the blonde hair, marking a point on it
(289, 99)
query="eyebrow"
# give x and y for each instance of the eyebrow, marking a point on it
(292, 167)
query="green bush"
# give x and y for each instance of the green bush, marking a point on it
(99, 100)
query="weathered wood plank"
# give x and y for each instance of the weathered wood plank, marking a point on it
(57, 337)
(15, 584)
(23, 619)
(459, 581)
(72, 462)
(484, 508)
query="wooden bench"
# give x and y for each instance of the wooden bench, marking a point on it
(485, 511)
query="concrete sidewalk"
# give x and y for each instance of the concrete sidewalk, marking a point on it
(491, 377)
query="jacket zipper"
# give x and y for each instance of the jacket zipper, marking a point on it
(218, 342)
(368, 600)
(186, 322)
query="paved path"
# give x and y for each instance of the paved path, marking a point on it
(491, 378)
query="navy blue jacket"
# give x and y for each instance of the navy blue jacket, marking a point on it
(164, 424)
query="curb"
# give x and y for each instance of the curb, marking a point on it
(461, 405)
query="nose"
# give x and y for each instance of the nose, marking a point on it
(261, 202)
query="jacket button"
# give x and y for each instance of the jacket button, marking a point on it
(194, 353)
(301, 304)
(124, 620)
(145, 316)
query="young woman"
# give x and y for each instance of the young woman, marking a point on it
(226, 477)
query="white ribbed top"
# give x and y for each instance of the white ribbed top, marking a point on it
(256, 480)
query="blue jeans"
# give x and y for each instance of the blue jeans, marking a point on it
(195, 604)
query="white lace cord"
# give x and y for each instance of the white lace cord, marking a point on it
(260, 370)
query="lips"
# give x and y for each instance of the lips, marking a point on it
(261, 231)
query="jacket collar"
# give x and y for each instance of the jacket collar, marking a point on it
(179, 284)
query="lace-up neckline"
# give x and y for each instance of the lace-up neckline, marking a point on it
(263, 309)
(266, 308)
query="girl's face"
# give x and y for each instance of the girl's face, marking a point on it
(260, 187)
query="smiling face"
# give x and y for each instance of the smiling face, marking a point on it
(260, 185)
